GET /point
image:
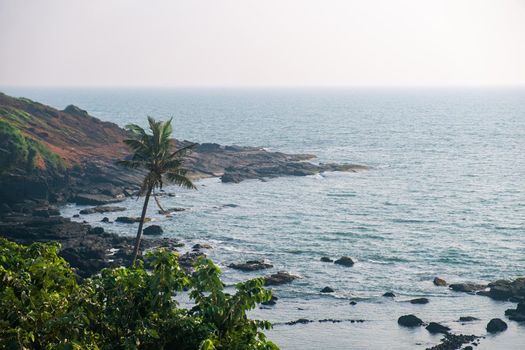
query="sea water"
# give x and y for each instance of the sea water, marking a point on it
(445, 196)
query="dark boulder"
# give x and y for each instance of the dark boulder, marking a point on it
(389, 295)
(327, 290)
(130, 219)
(353, 303)
(468, 319)
(496, 325)
(153, 230)
(105, 219)
(345, 261)
(409, 321)
(419, 301)
(251, 265)
(434, 327)
(517, 314)
(326, 259)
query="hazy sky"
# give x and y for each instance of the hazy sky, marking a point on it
(262, 42)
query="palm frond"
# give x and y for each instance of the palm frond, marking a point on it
(132, 164)
(181, 152)
(180, 180)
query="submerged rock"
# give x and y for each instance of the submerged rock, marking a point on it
(496, 325)
(434, 327)
(299, 321)
(468, 319)
(327, 290)
(389, 295)
(278, 278)
(419, 301)
(409, 321)
(153, 230)
(345, 261)
(326, 259)
(251, 265)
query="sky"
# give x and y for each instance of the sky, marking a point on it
(235, 43)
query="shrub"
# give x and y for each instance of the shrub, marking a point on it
(42, 306)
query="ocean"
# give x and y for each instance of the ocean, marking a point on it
(445, 196)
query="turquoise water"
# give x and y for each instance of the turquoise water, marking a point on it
(444, 197)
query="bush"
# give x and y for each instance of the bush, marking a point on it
(42, 306)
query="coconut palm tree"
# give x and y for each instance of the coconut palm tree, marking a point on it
(153, 153)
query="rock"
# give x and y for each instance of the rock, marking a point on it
(517, 314)
(299, 321)
(506, 290)
(202, 246)
(251, 265)
(153, 230)
(97, 230)
(468, 319)
(345, 261)
(278, 278)
(454, 341)
(434, 327)
(353, 303)
(76, 216)
(496, 325)
(326, 259)
(130, 219)
(409, 321)
(327, 290)
(419, 301)
(171, 210)
(105, 219)
(101, 209)
(94, 199)
(389, 295)
(440, 282)
(271, 302)
(467, 287)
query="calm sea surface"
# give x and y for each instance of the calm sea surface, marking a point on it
(445, 197)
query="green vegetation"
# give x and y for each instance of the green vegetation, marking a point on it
(42, 306)
(18, 150)
(152, 152)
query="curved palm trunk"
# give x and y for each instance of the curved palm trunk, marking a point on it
(158, 204)
(141, 224)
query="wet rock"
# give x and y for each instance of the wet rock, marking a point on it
(171, 211)
(419, 301)
(345, 261)
(202, 246)
(440, 282)
(434, 327)
(353, 303)
(153, 230)
(506, 290)
(409, 321)
(467, 287)
(271, 302)
(454, 341)
(97, 231)
(279, 278)
(105, 219)
(468, 319)
(299, 321)
(389, 295)
(517, 314)
(101, 209)
(130, 219)
(496, 325)
(76, 216)
(326, 259)
(251, 265)
(327, 290)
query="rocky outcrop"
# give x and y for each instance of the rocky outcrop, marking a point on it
(434, 327)
(130, 219)
(456, 341)
(280, 277)
(153, 230)
(506, 290)
(251, 265)
(440, 282)
(467, 287)
(517, 314)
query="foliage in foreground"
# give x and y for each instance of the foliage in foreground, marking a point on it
(42, 306)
